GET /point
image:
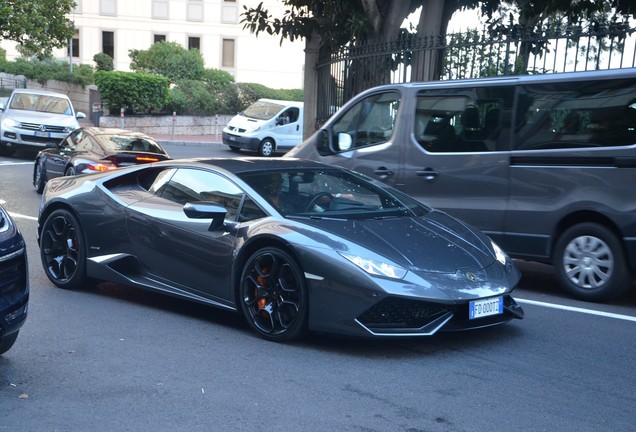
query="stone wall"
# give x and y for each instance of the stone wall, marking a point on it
(168, 125)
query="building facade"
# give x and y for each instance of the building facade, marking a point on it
(212, 26)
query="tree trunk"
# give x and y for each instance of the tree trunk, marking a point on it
(426, 62)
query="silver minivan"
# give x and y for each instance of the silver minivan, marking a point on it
(544, 164)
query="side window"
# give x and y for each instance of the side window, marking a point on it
(191, 185)
(72, 142)
(475, 120)
(370, 121)
(576, 115)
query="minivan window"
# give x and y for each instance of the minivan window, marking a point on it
(371, 121)
(576, 114)
(465, 121)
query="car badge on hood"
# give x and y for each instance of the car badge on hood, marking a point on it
(42, 128)
(471, 277)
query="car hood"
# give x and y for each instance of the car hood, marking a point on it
(434, 243)
(247, 123)
(42, 118)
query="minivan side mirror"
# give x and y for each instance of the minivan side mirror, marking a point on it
(80, 115)
(344, 143)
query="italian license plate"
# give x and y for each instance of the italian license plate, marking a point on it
(42, 134)
(485, 307)
(232, 138)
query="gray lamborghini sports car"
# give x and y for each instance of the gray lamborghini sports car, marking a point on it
(293, 245)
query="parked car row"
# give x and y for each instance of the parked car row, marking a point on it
(542, 165)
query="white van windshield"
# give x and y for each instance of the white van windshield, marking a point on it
(262, 110)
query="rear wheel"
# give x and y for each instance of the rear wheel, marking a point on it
(62, 250)
(70, 171)
(7, 342)
(590, 263)
(273, 295)
(38, 176)
(267, 147)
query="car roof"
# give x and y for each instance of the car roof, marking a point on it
(240, 165)
(94, 130)
(42, 92)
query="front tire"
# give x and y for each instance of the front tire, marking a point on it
(7, 342)
(63, 250)
(39, 176)
(267, 147)
(273, 295)
(590, 263)
(70, 171)
(6, 151)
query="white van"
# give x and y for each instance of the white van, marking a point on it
(266, 126)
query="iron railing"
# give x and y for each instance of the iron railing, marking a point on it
(472, 54)
(8, 84)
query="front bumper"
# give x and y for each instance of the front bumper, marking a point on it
(14, 291)
(16, 137)
(242, 142)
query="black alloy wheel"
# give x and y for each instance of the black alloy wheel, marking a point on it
(273, 295)
(62, 250)
(38, 176)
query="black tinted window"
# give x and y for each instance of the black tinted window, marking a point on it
(463, 120)
(576, 114)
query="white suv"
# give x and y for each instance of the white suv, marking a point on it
(35, 118)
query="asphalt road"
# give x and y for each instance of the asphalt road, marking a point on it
(119, 359)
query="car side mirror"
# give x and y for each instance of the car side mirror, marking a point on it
(80, 115)
(206, 210)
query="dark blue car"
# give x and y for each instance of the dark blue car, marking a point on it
(14, 281)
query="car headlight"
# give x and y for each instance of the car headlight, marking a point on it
(69, 129)
(500, 255)
(11, 123)
(376, 268)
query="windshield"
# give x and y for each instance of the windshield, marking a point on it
(117, 143)
(330, 193)
(262, 110)
(41, 103)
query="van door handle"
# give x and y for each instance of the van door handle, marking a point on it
(427, 173)
(383, 172)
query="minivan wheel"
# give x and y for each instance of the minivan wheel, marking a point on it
(590, 263)
(266, 148)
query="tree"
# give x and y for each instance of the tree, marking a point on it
(169, 59)
(330, 25)
(37, 26)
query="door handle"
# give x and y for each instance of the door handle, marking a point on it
(427, 173)
(383, 172)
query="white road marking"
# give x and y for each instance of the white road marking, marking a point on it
(21, 216)
(576, 309)
(15, 163)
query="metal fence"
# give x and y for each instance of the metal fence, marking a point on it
(8, 84)
(472, 54)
